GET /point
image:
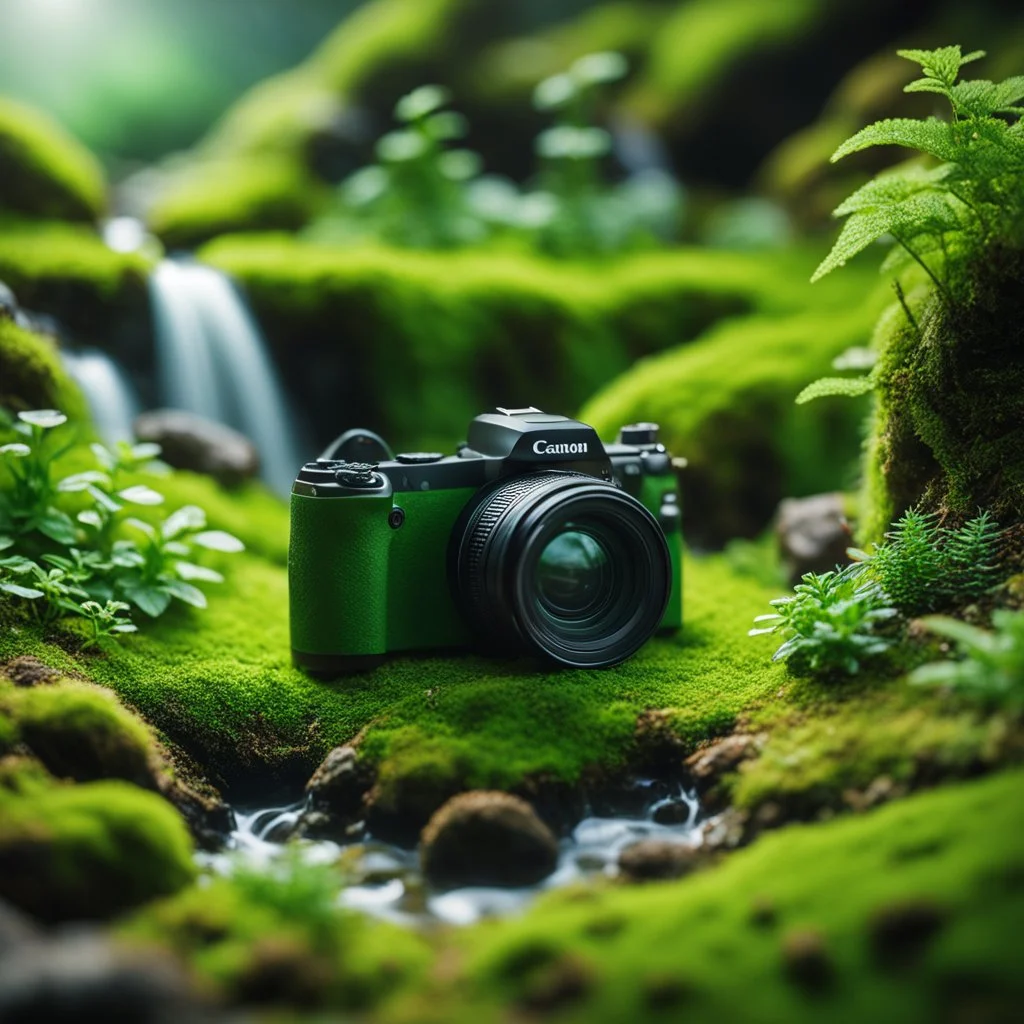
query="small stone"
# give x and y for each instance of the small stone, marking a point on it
(813, 534)
(487, 838)
(727, 830)
(339, 783)
(806, 960)
(189, 441)
(654, 859)
(901, 932)
(82, 977)
(673, 812)
(16, 929)
(710, 763)
(28, 670)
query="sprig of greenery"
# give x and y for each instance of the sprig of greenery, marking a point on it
(98, 560)
(830, 623)
(924, 567)
(941, 215)
(992, 669)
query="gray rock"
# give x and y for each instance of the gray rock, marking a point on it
(651, 860)
(813, 534)
(339, 783)
(192, 442)
(81, 976)
(8, 303)
(487, 838)
(16, 930)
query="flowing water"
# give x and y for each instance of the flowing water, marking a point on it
(212, 360)
(110, 395)
(386, 880)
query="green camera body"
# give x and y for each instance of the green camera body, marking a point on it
(535, 538)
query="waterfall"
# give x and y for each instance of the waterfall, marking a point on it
(212, 360)
(112, 400)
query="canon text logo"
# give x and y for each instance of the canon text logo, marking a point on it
(544, 448)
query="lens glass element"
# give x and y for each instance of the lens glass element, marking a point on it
(574, 574)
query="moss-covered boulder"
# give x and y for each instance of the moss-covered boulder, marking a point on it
(94, 850)
(81, 732)
(31, 373)
(96, 295)
(45, 172)
(948, 430)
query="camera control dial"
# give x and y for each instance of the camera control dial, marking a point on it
(358, 474)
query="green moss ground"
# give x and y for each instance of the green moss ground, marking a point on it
(45, 172)
(713, 947)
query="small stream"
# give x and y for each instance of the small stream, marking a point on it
(386, 880)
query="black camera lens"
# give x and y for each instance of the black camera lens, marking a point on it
(560, 564)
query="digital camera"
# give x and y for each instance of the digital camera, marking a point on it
(534, 538)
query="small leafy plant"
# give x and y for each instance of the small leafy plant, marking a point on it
(76, 545)
(964, 196)
(992, 669)
(924, 567)
(830, 623)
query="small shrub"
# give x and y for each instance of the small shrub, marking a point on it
(992, 669)
(830, 623)
(923, 566)
(72, 545)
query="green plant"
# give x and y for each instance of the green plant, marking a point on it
(415, 194)
(830, 623)
(585, 216)
(923, 566)
(992, 669)
(965, 197)
(92, 557)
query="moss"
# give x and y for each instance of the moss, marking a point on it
(66, 271)
(956, 850)
(31, 374)
(725, 402)
(948, 430)
(87, 851)
(453, 333)
(267, 192)
(280, 939)
(8, 734)
(45, 172)
(81, 732)
(822, 757)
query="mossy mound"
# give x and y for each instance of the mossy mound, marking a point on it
(948, 431)
(80, 732)
(725, 402)
(69, 852)
(216, 197)
(31, 374)
(414, 345)
(45, 172)
(276, 938)
(902, 914)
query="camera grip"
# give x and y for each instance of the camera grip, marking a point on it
(337, 575)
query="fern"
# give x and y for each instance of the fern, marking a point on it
(942, 215)
(850, 387)
(924, 567)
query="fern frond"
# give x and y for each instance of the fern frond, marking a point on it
(893, 187)
(972, 558)
(826, 387)
(932, 136)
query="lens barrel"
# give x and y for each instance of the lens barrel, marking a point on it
(561, 564)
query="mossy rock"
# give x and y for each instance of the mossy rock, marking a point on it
(725, 403)
(276, 937)
(97, 295)
(32, 376)
(802, 926)
(94, 850)
(45, 172)
(81, 732)
(948, 428)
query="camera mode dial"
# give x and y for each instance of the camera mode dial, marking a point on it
(357, 474)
